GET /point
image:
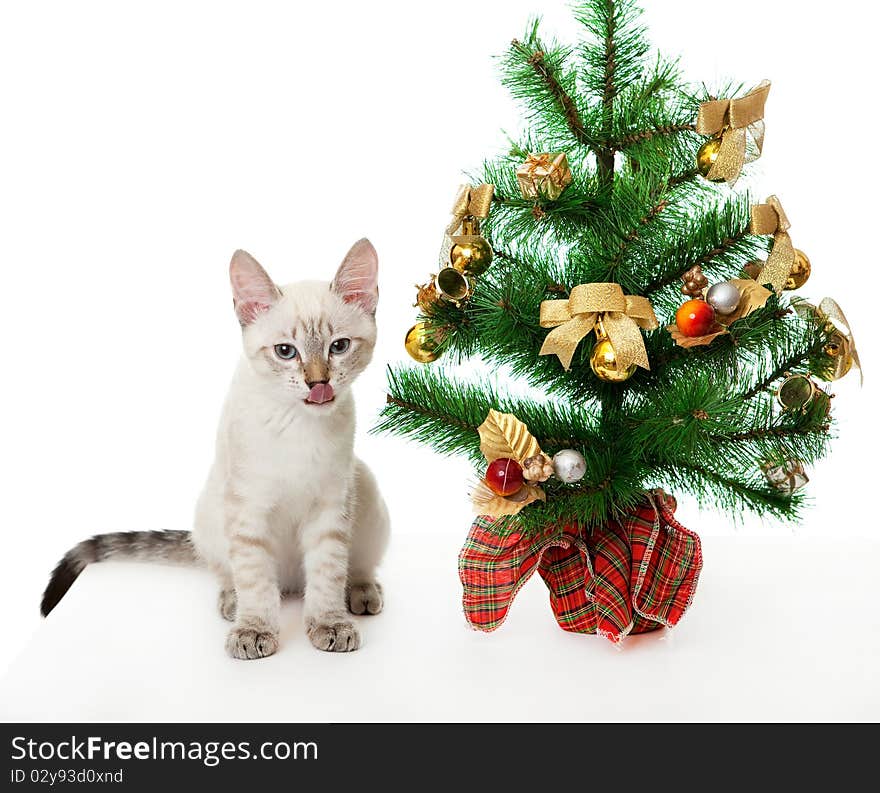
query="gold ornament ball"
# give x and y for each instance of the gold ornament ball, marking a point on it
(471, 258)
(706, 157)
(800, 271)
(839, 350)
(603, 362)
(421, 343)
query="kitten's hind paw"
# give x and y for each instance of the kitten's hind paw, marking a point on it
(334, 637)
(227, 603)
(247, 644)
(365, 598)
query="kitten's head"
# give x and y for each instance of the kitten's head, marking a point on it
(309, 340)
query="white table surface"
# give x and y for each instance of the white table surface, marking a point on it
(781, 629)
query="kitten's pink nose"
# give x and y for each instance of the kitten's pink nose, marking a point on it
(320, 392)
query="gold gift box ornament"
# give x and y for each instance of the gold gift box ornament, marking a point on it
(787, 477)
(544, 175)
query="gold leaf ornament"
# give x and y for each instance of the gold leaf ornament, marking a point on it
(754, 296)
(488, 503)
(696, 341)
(504, 435)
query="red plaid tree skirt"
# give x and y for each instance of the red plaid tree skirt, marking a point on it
(631, 576)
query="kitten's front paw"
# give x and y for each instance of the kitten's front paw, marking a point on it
(247, 643)
(227, 603)
(334, 637)
(365, 598)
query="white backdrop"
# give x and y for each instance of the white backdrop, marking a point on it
(143, 142)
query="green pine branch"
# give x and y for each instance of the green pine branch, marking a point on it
(734, 496)
(646, 135)
(718, 240)
(536, 74)
(547, 70)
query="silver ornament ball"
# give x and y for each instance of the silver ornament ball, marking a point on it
(569, 465)
(723, 297)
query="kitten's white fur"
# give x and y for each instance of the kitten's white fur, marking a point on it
(287, 507)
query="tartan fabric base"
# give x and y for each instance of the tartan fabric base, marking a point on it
(629, 576)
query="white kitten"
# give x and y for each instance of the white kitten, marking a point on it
(287, 506)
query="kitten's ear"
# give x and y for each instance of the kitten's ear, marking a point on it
(357, 279)
(252, 290)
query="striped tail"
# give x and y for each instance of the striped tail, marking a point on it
(151, 546)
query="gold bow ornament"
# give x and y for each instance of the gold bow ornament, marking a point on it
(621, 316)
(740, 125)
(471, 202)
(840, 348)
(544, 175)
(770, 218)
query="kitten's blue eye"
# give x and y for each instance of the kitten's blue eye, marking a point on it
(340, 346)
(285, 351)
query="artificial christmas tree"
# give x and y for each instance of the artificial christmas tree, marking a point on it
(642, 298)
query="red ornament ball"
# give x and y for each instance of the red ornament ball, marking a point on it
(504, 476)
(695, 318)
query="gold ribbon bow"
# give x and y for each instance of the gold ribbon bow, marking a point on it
(832, 314)
(770, 218)
(621, 315)
(740, 122)
(473, 201)
(538, 164)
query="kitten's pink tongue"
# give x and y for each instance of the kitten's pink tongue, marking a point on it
(320, 393)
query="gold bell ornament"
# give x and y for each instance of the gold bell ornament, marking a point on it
(796, 392)
(453, 285)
